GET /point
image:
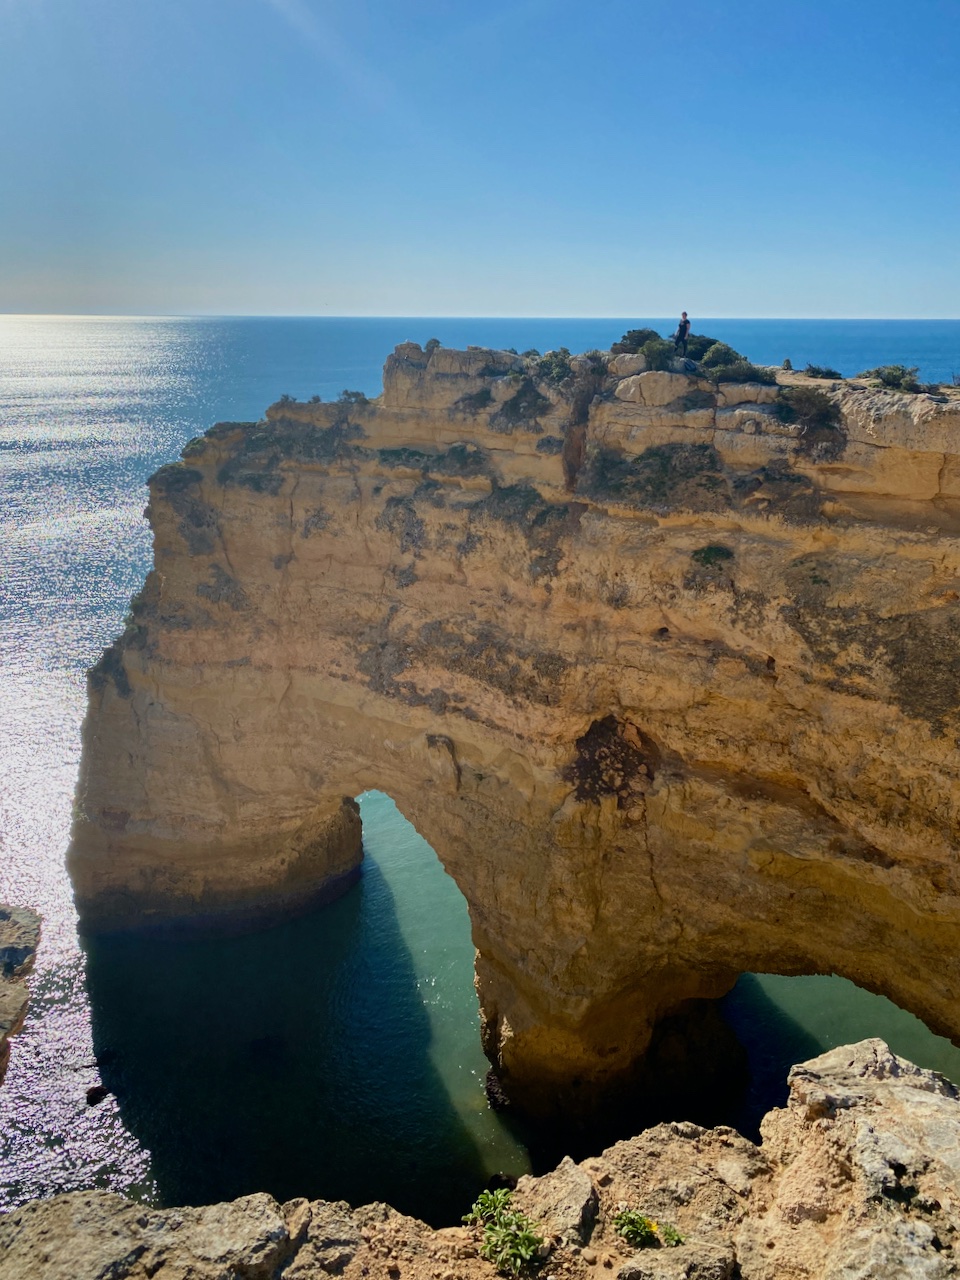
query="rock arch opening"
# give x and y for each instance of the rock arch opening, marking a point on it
(780, 1021)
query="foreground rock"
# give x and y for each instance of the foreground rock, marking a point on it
(672, 687)
(19, 936)
(859, 1178)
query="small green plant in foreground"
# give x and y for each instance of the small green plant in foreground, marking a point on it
(643, 1233)
(511, 1244)
(636, 1228)
(510, 1240)
(823, 371)
(489, 1206)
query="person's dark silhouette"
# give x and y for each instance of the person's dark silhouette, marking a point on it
(680, 337)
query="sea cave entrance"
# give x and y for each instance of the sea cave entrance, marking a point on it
(781, 1020)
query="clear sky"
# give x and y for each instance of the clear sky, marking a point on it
(516, 157)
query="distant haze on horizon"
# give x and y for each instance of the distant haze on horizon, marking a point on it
(533, 159)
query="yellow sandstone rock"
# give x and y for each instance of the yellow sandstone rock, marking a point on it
(669, 684)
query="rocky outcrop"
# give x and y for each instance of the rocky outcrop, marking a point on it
(858, 1177)
(19, 938)
(671, 685)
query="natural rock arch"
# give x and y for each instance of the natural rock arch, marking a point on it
(672, 698)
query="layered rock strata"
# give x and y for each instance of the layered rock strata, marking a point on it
(858, 1177)
(670, 684)
(19, 938)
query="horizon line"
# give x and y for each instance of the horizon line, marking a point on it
(305, 315)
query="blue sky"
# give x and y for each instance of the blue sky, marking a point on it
(538, 157)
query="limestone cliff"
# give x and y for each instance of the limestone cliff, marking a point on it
(671, 684)
(858, 1177)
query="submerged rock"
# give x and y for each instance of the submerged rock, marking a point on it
(858, 1178)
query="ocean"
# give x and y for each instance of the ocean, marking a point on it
(338, 1055)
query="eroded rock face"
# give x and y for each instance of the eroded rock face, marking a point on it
(858, 1177)
(671, 687)
(19, 938)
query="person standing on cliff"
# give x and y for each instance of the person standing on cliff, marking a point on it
(680, 337)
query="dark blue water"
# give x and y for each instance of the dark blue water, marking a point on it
(336, 1056)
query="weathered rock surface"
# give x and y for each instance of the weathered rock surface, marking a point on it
(672, 688)
(19, 938)
(857, 1178)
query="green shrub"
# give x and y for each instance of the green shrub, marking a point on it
(532, 354)
(711, 555)
(658, 353)
(316, 400)
(822, 371)
(818, 417)
(787, 365)
(193, 447)
(664, 475)
(636, 1228)
(431, 345)
(670, 1236)
(698, 346)
(554, 366)
(741, 371)
(352, 397)
(895, 376)
(720, 354)
(287, 399)
(633, 340)
(722, 364)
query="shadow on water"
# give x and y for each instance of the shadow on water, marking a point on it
(773, 1041)
(781, 1021)
(726, 1062)
(293, 1061)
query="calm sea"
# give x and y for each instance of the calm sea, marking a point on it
(336, 1056)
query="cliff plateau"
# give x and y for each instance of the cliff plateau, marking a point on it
(670, 682)
(858, 1178)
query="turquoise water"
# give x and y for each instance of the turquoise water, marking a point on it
(337, 1055)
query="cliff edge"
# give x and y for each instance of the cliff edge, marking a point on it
(668, 675)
